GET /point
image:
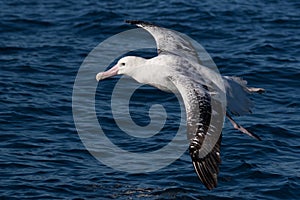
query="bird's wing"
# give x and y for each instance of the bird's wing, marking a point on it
(195, 61)
(205, 141)
(169, 41)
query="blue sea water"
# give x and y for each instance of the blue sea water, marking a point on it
(42, 46)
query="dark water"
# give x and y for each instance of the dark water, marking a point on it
(43, 44)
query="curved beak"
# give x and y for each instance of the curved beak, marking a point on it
(109, 73)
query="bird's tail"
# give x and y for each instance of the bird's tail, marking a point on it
(238, 101)
(237, 94)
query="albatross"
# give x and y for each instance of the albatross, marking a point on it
(170, 71)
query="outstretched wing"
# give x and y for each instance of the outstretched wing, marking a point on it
(169, 41)
(205, 142)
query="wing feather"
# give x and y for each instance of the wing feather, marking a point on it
(198, 108)
(169, 41)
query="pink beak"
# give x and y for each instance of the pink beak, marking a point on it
(109, 73)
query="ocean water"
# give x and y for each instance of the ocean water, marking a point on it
(42, 46)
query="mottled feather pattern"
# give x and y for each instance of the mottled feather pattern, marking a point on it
(198, 108)
(207, 168)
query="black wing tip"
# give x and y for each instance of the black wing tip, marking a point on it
(208, 179)
(139, 22)
(207, 168)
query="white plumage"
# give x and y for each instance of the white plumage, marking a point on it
(177, 68)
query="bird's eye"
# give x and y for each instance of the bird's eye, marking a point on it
(123, 64)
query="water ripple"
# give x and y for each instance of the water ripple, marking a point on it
(42, 47)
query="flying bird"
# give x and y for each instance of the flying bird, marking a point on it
(174, 69)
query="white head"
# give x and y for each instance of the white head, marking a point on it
(127, 65)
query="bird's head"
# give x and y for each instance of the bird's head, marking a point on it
(127, 65)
